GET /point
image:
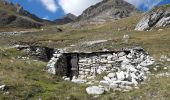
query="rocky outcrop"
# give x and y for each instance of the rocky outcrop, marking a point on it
(158, 17)
(67, 19)
(108, 9)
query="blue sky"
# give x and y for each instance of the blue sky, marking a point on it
(37, 8)
(54, 9)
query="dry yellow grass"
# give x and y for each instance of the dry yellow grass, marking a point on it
(30, 81)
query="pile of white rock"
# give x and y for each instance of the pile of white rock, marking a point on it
(123, 71)
(120, 71)
(51, 64)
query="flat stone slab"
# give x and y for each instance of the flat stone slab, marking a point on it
(95, 90)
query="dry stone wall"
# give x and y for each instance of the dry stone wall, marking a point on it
(122, 70)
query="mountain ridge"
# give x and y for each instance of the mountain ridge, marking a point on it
(66, 19)
(14, 15)
(109, 9)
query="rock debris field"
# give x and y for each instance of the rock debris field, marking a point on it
(118, 71)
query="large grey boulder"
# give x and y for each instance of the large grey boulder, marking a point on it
(158, 17)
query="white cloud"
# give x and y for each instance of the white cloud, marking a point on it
(76, 7)
(46, 17)
(50, 5)
(145, 3)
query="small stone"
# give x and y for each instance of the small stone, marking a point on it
(109, 57)
(145, 69)
(160, 30)
(99, 71)
(57, 55)
(113, 86)
(78, 81)
(147, 63)
(107, 78)
(90, 77)
(130, 56)
(120, 75)
(83, 61)
(64, 77)
(6, 93)
(103, 61)
(121, 54)
(168, 59)
(81, 72)
(136, 87)
(165, 68)
(111, 75)
(155, 69)
(111, 62)
(87, 70)
(126, 87)
(67, 79)
(104, 83)
(89, 83)
(113, 79)
(87, 73)
(2, 87)
(134, 82)
(95, 90)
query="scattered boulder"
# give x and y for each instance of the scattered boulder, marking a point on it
(111, 75)
(78, 81)
(2, 87)
(95, 90)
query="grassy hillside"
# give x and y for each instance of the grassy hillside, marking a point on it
(11, 17)
(27, 79)
(162, 7)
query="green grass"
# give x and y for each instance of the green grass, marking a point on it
(162, 7)
(28, 79)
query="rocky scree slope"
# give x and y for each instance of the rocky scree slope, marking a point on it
(15, 16)
(157, 17)
(108, 9)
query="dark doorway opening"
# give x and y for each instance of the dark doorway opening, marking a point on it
(72, 65)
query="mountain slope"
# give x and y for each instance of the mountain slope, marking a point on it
(15, 16)
(108, 9)
(157, 17)
(67, 19)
